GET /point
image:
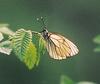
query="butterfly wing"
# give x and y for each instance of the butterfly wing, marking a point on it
(60, 47)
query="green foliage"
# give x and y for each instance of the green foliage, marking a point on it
(97, 49)
(21, 41)
(30, 58)
(5, 30)
(24, 48)
(66, 80)
(86, 82)
(1, 36)
(5, 47)
(6, 44)
(97, 41)
(40, 45)
(27, 48)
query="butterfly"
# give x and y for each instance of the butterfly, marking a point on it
(58, 46)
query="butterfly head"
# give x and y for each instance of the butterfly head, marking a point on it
(44, 33)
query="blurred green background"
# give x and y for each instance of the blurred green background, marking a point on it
(78, 20)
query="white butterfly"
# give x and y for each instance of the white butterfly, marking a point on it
(58, 46)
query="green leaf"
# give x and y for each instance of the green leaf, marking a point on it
(41, 48)
(6, 44)
(1, 36)
(66, 80)
(23, 47)
(40, 45)
(5, 29)
(86, 82)
(97, 39)
(97, 49)
(30, 57)
(4, 25)
(6, 47)
(21, 41)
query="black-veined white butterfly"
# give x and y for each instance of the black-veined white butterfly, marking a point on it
(57, 45)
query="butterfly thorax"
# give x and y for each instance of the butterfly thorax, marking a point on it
(45, 34)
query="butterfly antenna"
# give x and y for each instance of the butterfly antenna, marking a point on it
(43, 22)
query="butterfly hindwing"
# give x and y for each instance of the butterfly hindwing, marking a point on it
(60, 47)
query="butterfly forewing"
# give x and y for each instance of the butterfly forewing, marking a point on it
(60, 47)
